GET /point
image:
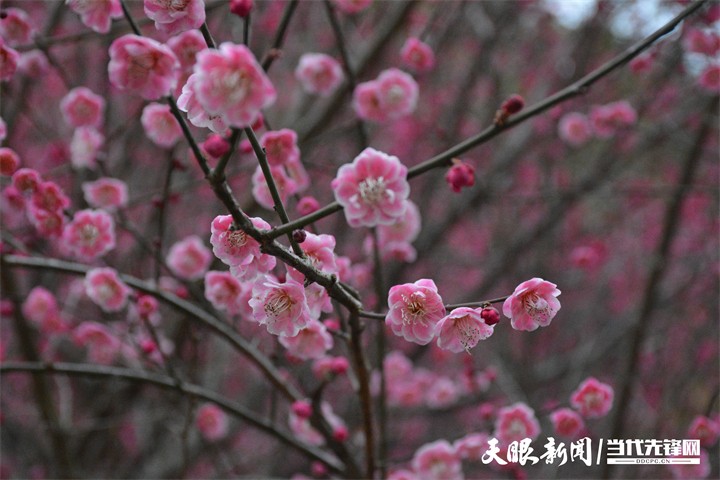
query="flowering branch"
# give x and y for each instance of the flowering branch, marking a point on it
(575, 89)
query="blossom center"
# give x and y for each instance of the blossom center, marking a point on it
(278, 302)
(536, 307)
(89, 233)
(237, 238)
(373, 190)
(414, 310)
(468, 331)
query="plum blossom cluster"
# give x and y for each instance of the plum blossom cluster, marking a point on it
(393, 95)
(604, 121)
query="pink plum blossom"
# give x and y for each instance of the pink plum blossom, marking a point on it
(9, 161)
(319, 73)
(710, 78)
(372, 189)
(567, 423)
(607, 119)
(574, 129)
(33, 64)
(189, 258)
(593, 399)
(101, 343)
(160, 125)
(280, 146)
(533, 304)
(417, 55)
(230, 83)
(215, 145)
(106, 193)
(212, 422)
(706, 42)
(49, 223)
(281, 307)
(82, 108)
(41, 308)
(404, 230)
(106, 290)
(319, 250)
(437, 461)
(285, 185)
(312, 342)
(142, 66)
(49, 196)
(15, 27)
(236, 248)
(515, 423)
(462, 329)
(90, 235)
(96, 14)
(415, 310)
(175, 16)
(197, 115)
(460, 175)
(472, 446)
(241, 8)
(26, 179)
(352, 6)
(443, 392)
(85, 146)
(8, 61)
(392, 95)
(186, 47)
(705, 429)
(224, 291)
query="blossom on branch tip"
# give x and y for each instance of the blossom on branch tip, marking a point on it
(90, 235)
(312, 342)
(593, 399)
(319, 73)
(372, 189)
(415, 310)
(281, 307)
(175, 16)
(106, 193)
(142, 66)
(106, 290)
(462, 329)
(231, 83)
(567, 423)
(533, 304)
(417, 55)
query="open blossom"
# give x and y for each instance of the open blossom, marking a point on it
(281, 307)
(186, 47)
(311, 342)
(280, 146)
(392, 95)
(472, 446)
(84, 147)
(212, 422)
(49, 196)
(319, 73)
(198, 116)
(15, 26)
(105, 193)
(230, 83)
(319, 250)
(236, 248)
(515, 423)
(574, 129)
(175, 16)
(143, 66)
(106, 290)
(567, 422)
(415, 310)
(609, 118)
(189, 258)
(437, 461)
(101, 343)
(41, 308)
(82, 108)
(462, 329)
(33, 64)
(225, 292)
(533, 304)
(441, 393)
(704, 429)
(593, 399)
(372, 189)
(160, 125)
(96, 14)
(90, 235)
(417, 55)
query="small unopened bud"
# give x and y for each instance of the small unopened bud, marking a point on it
(513, 104)
(460, 175)
(339, 366)
(241, 8)
(302, 409)
(258, 123)
(490, 315)
(299, 235)
(318, 469)
(216, 146)
(340, 433)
